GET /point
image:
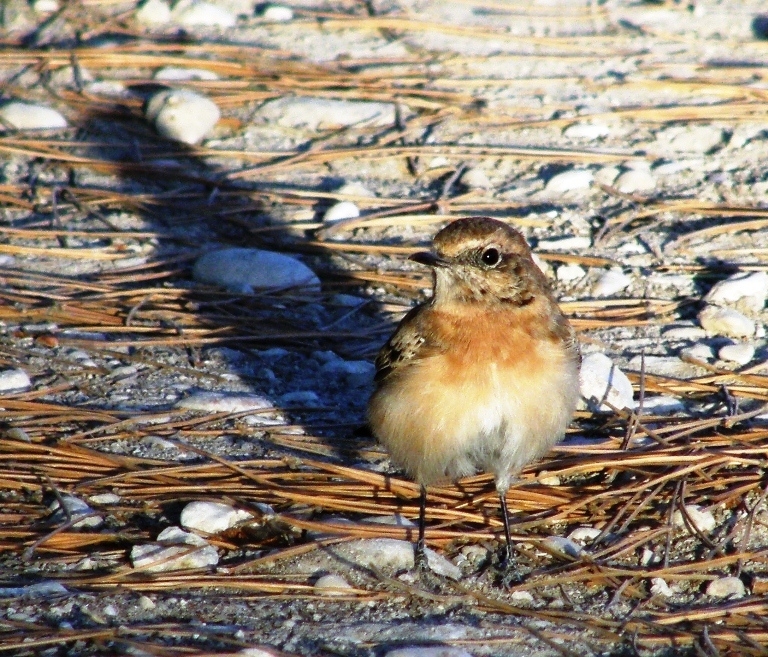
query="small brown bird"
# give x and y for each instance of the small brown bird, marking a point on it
(484, 375)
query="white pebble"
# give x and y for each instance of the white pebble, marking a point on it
(428, 651)
(745, 291)
(562, 546)
(702, 519)
(546, 479)
(355, 189)
(277, 14)
(17, 433)
(573, 243)
(340, 211)
(611, 282)
(726, 587)
(154, 12)
(202, 14)
(45, 6)
(635, 180)
(661, 405)
(212, 517)
(393, 554)
(665, 366)
(601, 381)
(726, 321)
(243, 270)
(331, 585)
(356, 373)
(660, 587)
(181, 74)
(475, 178)
(697, 352)
(740, 353)
(224, 402)
(27, 116)
(175, 550)
(568, 181)
(587, 131)
(396, 520)
(570, 273)
(74, 508)
(146, 603)
(690, 138)
(105, 498)
(314, 113)
(685, 333)
(182, 115)
(521, 597)
(584, 534)
(14, 380)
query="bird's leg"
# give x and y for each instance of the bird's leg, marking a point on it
(420, 556)
(507, 562)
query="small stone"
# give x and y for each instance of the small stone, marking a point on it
(45, 6)
(16, 115)
(570, 273)
(546, 479)
(202, 14)
(45, 590)
(355, 189)
(584, 534)
(212, 517)
(611, 282)
(660, 587)
(586, 131)
(726, 587)
(175, 550)
(745, 291)
(568, 181)
(700, 351)
(325, 113)
(17, 433)
(180, 74)
(154, 12)
(635, 180)
(105, 499)
(356, 373)
(300, 398)
(740, 353)
(607, 175)
(562, 546)
(146, 603)
(702, 519)
(602, 381)
(690, 138)
(224, 402)
(182, 115)
(340, 211)
(74, 508)
(245, 270)
(573, 243)
(665, 366)
(332, 585)
(392, 554)
(475, 178)
(428, 651)
(110, 610)
(396, 520)
(726, 321)
(521, 597)
(277, 14)
(661, 405)
(685, 333)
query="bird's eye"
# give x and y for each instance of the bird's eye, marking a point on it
(491, 257)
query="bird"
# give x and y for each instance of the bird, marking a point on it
(481, 377)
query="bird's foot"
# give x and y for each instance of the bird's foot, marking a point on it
(508, 574)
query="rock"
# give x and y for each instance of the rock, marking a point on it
(690, 138)
(573, 243)
(740, 353)
(665, 366)
(601, 381)
(74, 508)
(182, 115)
(154, 12)
(395, 520)
(277, 14)
(340, 211)
(726, 587)
(245, 270)
(475, 178)
(700, 351)
(702, 519)
(521, 597)
(685, 333)
(17, 115)
(546, 479)
(635, 180)
(212, 517)
(105, 499)
(607, 175)
(146, 603)
(17, 433)
(175, 550)
(300, 398)
(584, 534)
(316, 113)
(726, 321)
(44, 589)
(428, 651)
(355, 189)
(568, 181)
(570, 273)
(180, 74)
(202, 14)
(14, 380)
(661, 405)
(586, 131)
(392, 554)
(745, 291)
(611, 282)
(356, 373)
(45, 6)
(660, 587)
(224, 402)
(332, 585)
(562, 546)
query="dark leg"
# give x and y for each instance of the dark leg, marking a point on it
(420, 557)
(508, 551)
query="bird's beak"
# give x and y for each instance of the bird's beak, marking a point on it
(428, 258)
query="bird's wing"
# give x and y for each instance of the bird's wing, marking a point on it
(407, 344)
